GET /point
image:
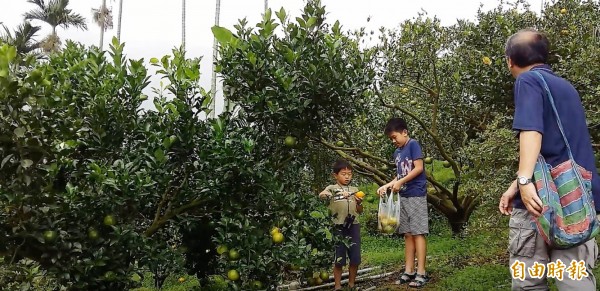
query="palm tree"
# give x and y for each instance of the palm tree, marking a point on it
(183, 24)
(55, 13)
(213, 86)
(104, 18)
(119, 21)
(23, 38)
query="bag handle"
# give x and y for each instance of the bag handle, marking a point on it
(562, 131)
(560, 127)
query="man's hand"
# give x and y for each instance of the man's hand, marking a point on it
(397, 186)
(505, 205)
(531, 199)
(381, 191)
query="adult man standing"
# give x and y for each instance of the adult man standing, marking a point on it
(535, 122)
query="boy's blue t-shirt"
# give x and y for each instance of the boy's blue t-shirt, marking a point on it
(533, 112)
(404, 158)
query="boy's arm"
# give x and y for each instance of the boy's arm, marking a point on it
(325, 193)
(417, 157)
(416, 171)
(384, 188)
(359, 208)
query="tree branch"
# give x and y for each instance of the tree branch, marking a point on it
(168, 216)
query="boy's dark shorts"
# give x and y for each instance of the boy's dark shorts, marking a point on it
(341, 250)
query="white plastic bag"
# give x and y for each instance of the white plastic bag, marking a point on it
(388, 216)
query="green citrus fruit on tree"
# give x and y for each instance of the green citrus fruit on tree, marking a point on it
(290, 141)
(446, 164)
(370, 199)
(324, 275)
(278, 238)
(306, 230)
(181, 279)
(275, 230)
(300, 214)
(50, 236)
(93, 234)
(311, 281)
(413, 102)
(257, 285)
(109, 220)
(233, 275)
(221, 249)
(234, 255)
(110, 275)
(339, 143)
(379, 135)
(428, 160)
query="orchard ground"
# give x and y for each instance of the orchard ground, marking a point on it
(476, 261)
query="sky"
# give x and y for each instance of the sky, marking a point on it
(152, 28)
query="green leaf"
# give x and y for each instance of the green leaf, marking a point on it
(159, 155)
(5, 160)
(328, 234)
(222, 34)
(281, 15)
(317, 214)
(154, 61)
(311, 21)
(19, 132)
(26, 163)
(252, 58)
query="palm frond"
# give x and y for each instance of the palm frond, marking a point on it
(23, 38)
(103, 18)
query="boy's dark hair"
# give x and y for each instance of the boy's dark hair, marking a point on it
(395, 124)
(340, 165)
(524, 53)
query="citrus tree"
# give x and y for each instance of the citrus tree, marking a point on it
(96, 190)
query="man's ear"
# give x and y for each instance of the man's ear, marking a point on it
(509, 62)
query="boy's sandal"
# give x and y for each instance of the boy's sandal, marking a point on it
(406, 278)
(419, 281)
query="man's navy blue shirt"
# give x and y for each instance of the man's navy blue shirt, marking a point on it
(533, 112)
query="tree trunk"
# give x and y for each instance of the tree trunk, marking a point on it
(266, 5)
(183, 24)
(102, 23)
(213, 85)
(119, 21)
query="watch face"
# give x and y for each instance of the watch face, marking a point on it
(523, 181)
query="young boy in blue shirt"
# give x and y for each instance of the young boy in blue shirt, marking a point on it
(410, 182)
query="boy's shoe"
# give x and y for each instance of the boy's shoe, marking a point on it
(419, 281)
(406, 278)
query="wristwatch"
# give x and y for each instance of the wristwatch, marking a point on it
(523, 181)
